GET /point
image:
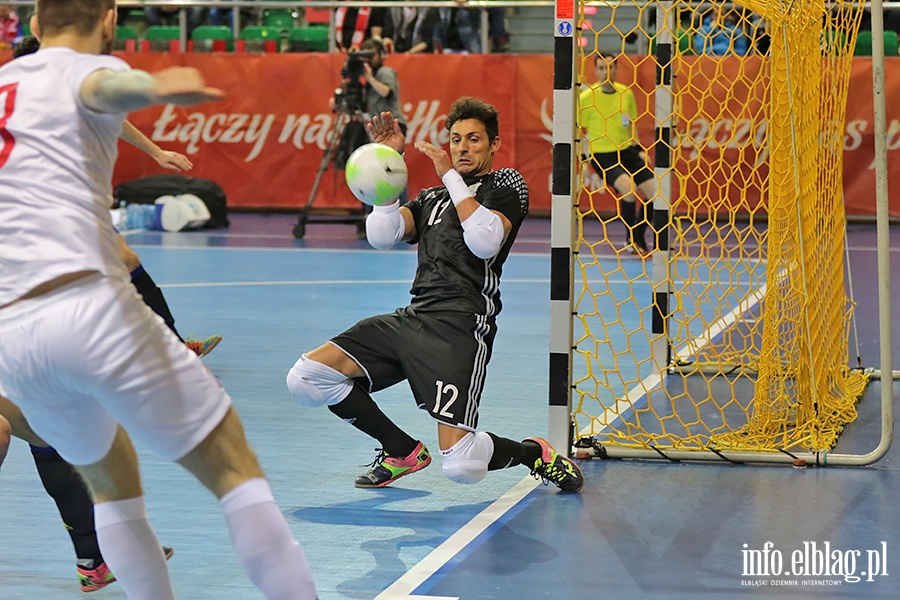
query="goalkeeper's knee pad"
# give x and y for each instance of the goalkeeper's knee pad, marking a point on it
(315, 384)
(467, 461)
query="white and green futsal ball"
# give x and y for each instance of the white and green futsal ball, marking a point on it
(376, 174)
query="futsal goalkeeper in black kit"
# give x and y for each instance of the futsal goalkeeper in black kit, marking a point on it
(441, 343)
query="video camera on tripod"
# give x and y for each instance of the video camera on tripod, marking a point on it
(350, 96)
(349, 132)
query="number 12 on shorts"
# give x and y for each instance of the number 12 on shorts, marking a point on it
(441, 407)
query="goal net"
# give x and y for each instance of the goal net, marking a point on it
(731, 334)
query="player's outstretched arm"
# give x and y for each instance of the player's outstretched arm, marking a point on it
(110, 92)
(164, 158)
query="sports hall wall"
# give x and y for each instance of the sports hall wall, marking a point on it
(265, 141)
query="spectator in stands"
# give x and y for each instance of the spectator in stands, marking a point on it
(721, 34)
(458, 29)
(892, 19)
(497, 29)
(159, 15)
(225, 16)
(10, 28)
(354, 25)
(411, 30)
(758, 32)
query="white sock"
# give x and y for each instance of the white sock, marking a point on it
(264, 544)
(131, 549)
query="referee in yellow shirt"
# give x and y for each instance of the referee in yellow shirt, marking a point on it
(608, 111)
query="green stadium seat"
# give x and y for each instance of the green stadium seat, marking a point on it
(259, 39)
(161, 38)
(864, 44)
(683, 40)
(274, 17)
(212, 38)
(126, 38)
(685, 43)
(891, 44)
(308, 39)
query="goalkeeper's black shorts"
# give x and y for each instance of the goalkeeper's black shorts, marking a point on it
(443, 356)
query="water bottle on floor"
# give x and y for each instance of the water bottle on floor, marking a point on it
(142, 216)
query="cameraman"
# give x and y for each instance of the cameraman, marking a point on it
(383, 85)
(368, 87)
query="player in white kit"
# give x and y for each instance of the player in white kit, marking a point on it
(82, 356)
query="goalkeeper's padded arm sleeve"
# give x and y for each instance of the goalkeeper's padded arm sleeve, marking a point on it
(385, 226)
(483, 233)
(483, 229)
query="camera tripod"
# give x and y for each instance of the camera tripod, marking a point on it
(344, 117)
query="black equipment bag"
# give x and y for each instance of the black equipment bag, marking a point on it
(147, 189)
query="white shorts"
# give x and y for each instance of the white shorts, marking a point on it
(91, 355)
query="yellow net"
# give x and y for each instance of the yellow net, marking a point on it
(735, 336)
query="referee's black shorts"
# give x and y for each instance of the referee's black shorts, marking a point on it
(444, 356)
(626, 161)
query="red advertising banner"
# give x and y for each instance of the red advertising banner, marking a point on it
(265, 142)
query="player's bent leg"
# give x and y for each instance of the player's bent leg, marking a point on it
(125, 536)
(648, 190)
(224, 459)
(18, 424)
(322, 377)
(467, 460)
(126, 254)
(332, 356)
(625, 186)
(628, 205)
(64, 484)
(315, 384)
(265, 547)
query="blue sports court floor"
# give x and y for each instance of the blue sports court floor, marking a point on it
(639, 530)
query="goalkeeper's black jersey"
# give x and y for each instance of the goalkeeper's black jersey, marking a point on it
(449, 277)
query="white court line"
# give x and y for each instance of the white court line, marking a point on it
(399, 249)
(350, 282)
(269, 283)
(690, 348)
(316, 282)
(693, 347)
(440, 556)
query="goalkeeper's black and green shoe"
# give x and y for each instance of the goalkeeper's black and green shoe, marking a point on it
(555, 468)
(387, 469)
